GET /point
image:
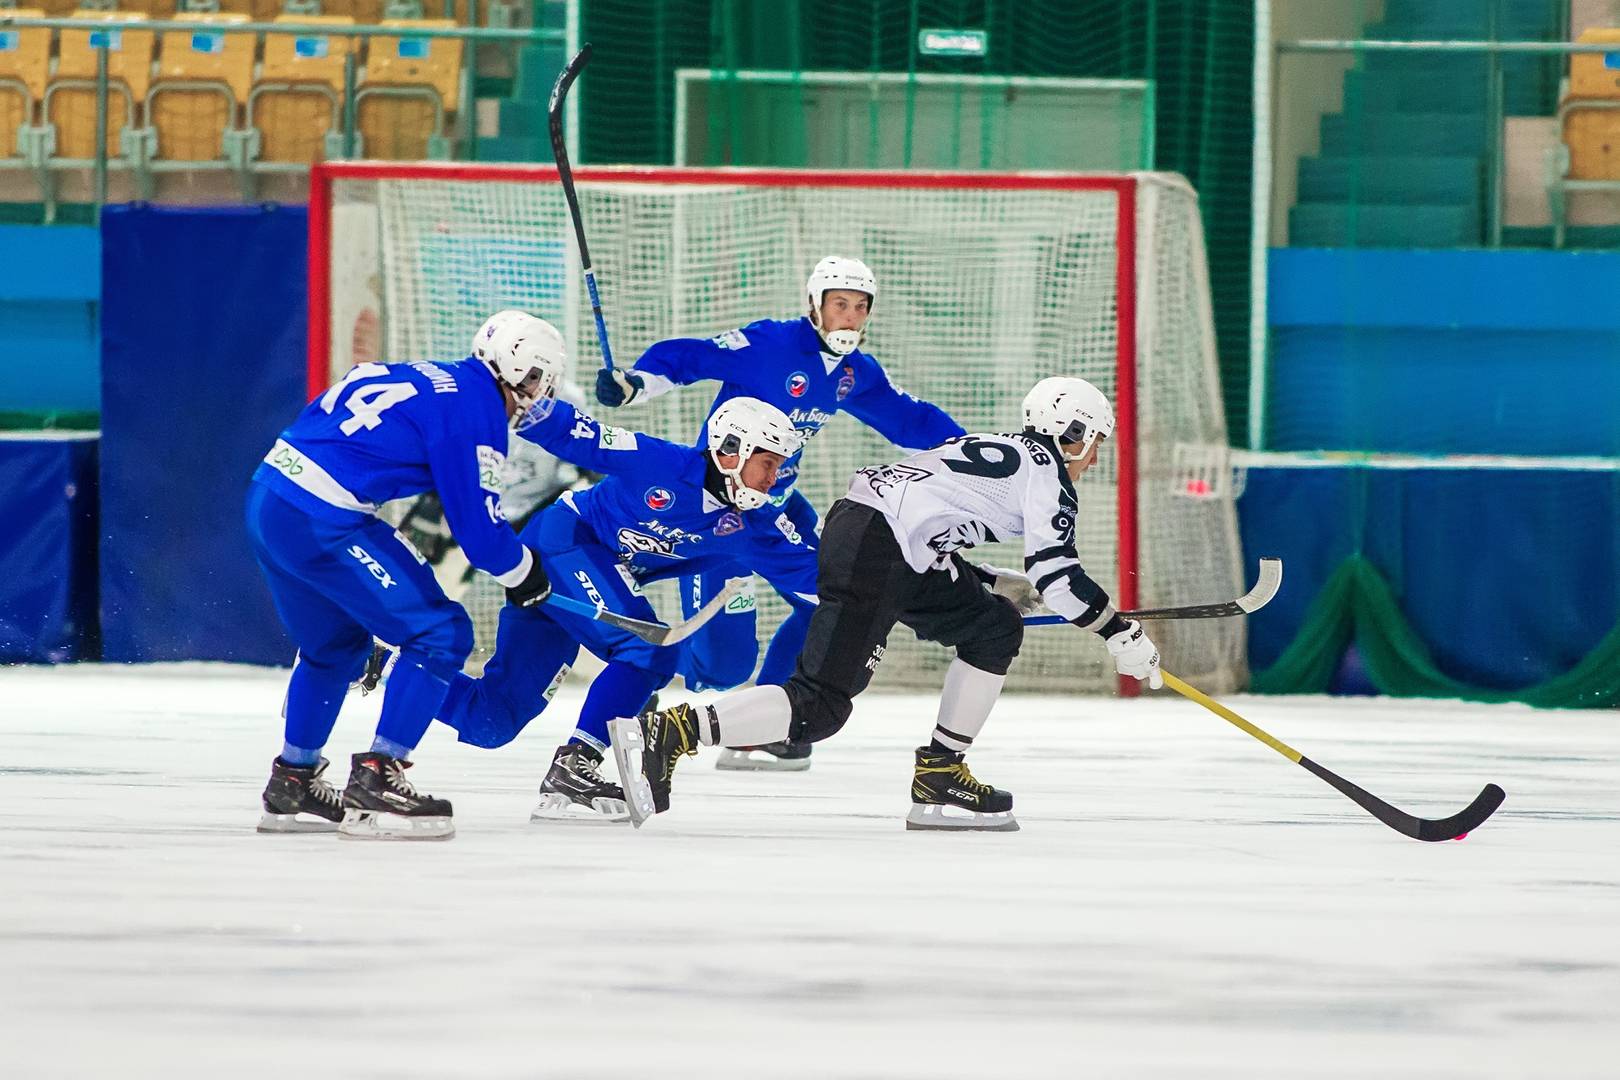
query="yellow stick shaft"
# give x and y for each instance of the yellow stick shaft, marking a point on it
(1192, 693)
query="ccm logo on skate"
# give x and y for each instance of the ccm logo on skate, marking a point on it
(660, 498)
(797, 384)
(373, 565)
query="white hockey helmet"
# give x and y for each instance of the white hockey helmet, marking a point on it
(1069, 410)
(838, 272)
(742, 426)
(525, 353)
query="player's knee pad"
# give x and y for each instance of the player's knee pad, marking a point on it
(996, 640)
(818, 712)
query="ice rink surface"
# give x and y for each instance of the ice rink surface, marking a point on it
(1181, 901)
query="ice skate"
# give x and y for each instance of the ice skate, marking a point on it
(574, 789)
(646, 750)
(945, 795)
(380, 804)
(771, 757)
(297, 800)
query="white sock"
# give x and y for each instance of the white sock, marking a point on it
(965, 703)
(752, 717)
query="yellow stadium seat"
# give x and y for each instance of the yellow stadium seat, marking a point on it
(25, 59)
(410, 89)
(1596, 75)
(298, 98)
(1590, 112)
(70, 99)
(203, 79)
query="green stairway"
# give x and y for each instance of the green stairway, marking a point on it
(1405, 164)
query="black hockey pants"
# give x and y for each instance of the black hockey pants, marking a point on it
(865, 587)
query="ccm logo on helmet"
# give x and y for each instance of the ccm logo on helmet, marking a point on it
(660, 498)
(797, 384)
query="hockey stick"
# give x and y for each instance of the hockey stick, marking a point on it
(652, 632)
(559, 150)
(1455, 827)
(1253, 600)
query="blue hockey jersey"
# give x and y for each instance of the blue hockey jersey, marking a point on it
(654, 510)
(785, 363)
(388, 431)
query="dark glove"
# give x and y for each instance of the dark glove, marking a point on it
(615, 387)
(534, 588)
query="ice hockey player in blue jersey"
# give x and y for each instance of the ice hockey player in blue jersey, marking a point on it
(339, 574)
(662, 510)
(811, 368)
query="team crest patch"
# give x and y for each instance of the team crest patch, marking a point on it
(729, 523)
(660, 498)
(846, 382)
(797, 384)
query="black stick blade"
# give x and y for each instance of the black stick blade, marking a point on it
(1431, 830)
(565, 79)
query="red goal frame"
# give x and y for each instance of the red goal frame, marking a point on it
(323, 174)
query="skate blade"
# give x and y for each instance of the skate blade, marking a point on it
(376, 825)
(628, 745)
(932, 816)
(759, 761)
(555, 806)
(295, 823)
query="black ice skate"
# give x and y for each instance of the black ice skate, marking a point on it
(574, 789)
(771, 757)
(297, 800)
(380, 804)
(945, 795)
(646, 750)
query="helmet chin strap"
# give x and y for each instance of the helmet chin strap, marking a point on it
(739, 494)
(838, 342)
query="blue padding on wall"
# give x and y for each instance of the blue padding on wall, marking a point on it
(50, 283)
(48, 548)
(1464, 288)
(1510, 576)
(202, 364)
(50, 262)
(1444, 352)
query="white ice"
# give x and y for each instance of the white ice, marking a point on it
(1181, 901)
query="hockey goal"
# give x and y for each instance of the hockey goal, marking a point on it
(988, 282)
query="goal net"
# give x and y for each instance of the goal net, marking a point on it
(987, 283)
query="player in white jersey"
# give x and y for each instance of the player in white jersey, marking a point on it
(890, 552)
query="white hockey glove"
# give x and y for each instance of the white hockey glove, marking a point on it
(1012, 585)
(615, 387)
(1135, 654)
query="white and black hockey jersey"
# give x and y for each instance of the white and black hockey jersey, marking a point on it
(980, 489)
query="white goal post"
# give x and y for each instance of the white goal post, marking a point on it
(987, 283)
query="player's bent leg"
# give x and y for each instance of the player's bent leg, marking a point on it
(331, 646)
(533, 656)
(391, 590)
(987, 632)
(723, 652)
